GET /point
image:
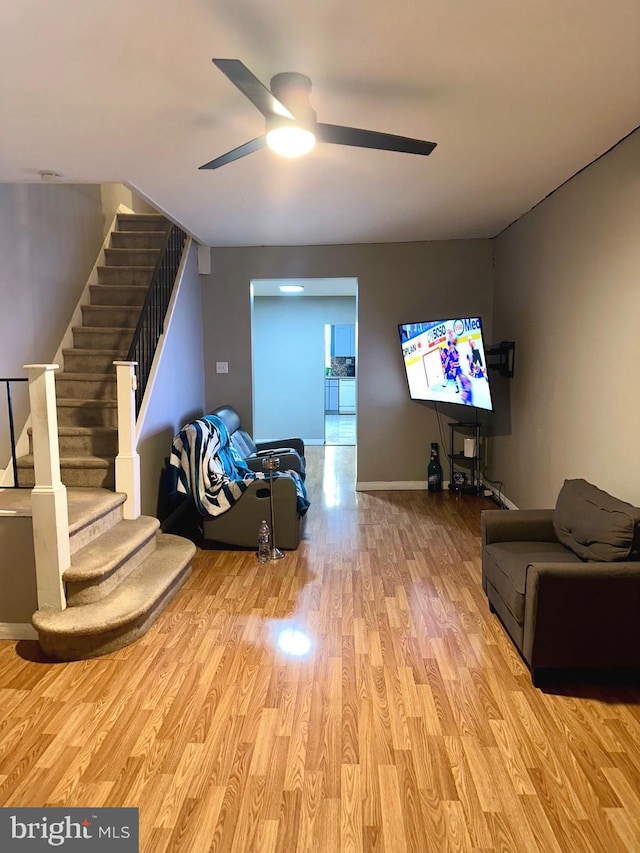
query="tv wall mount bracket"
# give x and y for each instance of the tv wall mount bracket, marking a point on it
(501, 357)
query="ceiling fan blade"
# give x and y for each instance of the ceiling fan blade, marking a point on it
(340, 135)
(241, 151)
(252, 88)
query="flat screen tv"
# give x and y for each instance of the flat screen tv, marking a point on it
(445, 361)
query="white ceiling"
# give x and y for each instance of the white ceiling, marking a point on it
(518, 94)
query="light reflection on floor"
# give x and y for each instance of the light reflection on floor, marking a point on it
(340, 429)
(338, 476)
(294, 643)
(330, 487)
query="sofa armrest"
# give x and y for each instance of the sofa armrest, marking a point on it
(288, 462)
(296, 444)
(239, 524)
(582, 614)
(532, 525)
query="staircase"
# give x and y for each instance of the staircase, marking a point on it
(86, 389)
(123, 573)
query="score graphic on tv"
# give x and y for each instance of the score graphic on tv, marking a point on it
(445, 361)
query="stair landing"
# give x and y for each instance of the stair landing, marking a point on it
(123, 615)
(122, 575)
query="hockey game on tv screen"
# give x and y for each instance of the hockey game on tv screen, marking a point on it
(445, 361)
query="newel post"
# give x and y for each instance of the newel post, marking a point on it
(127, 460)
(49, 497)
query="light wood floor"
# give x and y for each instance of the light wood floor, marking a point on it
(410, 724)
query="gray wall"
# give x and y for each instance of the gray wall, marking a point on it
(116, 194)
(567, 291)
(397, 282)
(288, 362)
(178, 391)
(50, 235)
(18, 595)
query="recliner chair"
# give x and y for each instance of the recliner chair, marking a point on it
(188, 514)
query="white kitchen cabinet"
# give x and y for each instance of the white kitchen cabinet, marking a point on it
(347, 396)
(331, 395)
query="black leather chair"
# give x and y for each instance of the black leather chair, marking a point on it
(239, 524)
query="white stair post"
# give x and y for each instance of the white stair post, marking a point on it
(49, 497)
(127, 460)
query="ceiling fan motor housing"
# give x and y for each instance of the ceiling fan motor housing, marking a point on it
(293, 90)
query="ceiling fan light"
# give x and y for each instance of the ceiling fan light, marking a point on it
(290, 141)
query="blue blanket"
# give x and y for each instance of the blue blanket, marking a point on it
(211, 470)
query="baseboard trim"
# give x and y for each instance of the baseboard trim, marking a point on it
(307, 441)
(417, 485)
(391, 486)
(17, 631)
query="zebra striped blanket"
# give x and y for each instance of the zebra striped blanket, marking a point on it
(211, 470)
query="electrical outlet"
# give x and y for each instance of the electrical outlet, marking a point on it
(222, 366)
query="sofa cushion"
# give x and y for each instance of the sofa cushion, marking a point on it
(505, 564)
(243, 443)
(229, 417)
(240, 439)
(595, 525)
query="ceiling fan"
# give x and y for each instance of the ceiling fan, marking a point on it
(291, 125)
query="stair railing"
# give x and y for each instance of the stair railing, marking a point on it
(131, 387)
(152, 316)
(12, 434)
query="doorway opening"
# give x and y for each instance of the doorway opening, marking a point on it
(304, 353)
(340, 383)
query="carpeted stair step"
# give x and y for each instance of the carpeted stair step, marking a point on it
(91, 513)
(105, 562)
(87, 413)
(126, 276)
(95, 472)
(102, 338)
(124, 316)
(92, 360)
(124, 614)
(87, 386)
(131, 257)
(117, 294)
(142, 222)
(84, 441)
(138, 239)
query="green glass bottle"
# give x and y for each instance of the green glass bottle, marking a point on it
(434, 470)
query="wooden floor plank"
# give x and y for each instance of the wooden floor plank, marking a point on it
(409, 724)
